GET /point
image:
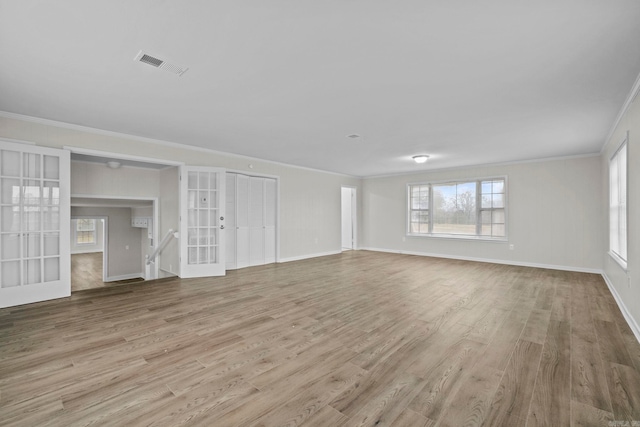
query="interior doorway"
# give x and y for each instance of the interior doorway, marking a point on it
(88, 252)
(349, 218)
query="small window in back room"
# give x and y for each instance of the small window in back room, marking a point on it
(86, 231)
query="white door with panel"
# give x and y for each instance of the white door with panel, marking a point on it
(254, 202)
(35, 263)
(202, 222)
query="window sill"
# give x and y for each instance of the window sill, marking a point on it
(622, 263)
(461, 237)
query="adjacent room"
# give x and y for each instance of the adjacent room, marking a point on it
(319, 214)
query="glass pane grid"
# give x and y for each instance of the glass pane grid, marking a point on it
(202, 218)
(454, 208)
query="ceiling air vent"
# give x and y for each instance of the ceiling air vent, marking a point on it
(160, 63)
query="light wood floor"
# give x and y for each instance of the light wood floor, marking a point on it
(86, 271)
(360, 338)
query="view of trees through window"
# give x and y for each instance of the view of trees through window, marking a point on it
(475, 208)
(85, 231)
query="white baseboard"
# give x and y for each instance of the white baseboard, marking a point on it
(301, 257)
(489, 260)
(124, 277)
(91, 251)
(623, 308)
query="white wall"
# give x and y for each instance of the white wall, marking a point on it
(625, 284)
(123, 263)
(98, 244)
(309, 200)
(553, 210)
(96, 179)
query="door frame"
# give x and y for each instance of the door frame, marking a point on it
(155, 207)
(354, 215)
(105, 240)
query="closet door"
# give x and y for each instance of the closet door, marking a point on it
(242, 224)
(256, 221)
(34, 224)
(270, 212)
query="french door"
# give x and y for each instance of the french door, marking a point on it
(202, 211)
(34, 224)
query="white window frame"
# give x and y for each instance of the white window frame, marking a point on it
(479, 210)
(618, 205)
(78, 231)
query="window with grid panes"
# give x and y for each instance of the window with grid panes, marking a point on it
(474, 208)
(618, 205)
(85, 231)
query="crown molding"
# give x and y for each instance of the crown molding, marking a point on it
(80, 128)
(635, 89)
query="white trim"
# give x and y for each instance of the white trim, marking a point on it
(622, 263)
(489, 260)
(354, 216)
(109, 154)
(80, 128)
(635, 328)
(17, 141)
(124, 277)
(483, 165)
(308, 256)
(635, 89)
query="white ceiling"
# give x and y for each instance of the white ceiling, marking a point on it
(467, 82)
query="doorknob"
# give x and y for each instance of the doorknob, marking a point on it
(221, 218)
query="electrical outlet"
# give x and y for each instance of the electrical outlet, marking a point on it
(126, 247)
(512, 246)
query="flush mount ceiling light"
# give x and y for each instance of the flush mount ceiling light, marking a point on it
(421, 158)
(113, 164)
(353, 136)
(160, 63)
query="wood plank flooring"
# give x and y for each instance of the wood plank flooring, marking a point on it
(357, 339)
(86, 271)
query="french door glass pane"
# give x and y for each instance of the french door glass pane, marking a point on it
(51, 244)
(203, 236)
(51, 193)
(192, 180)
(31, 191)
(10, 274)
(31, 271)
(31, 245)
(192, 236)
(193, 255)
(10, 219)
(10, 246)
(51, 218)
(203, 180)
(191, 199)
(51, 269)
(9, 163)
(203, 255)
(10, 191)
(203, 199)
(203, 217)
(51, 167)
(31, 219)
(213, 200)
(31, 166)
